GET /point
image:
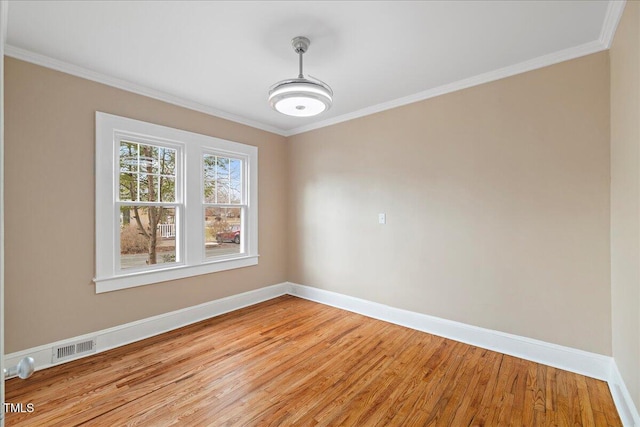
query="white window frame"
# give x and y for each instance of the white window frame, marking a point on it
(189, 164)
(178, 204)
(243, 206)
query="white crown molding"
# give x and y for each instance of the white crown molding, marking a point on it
(615, 8)
(501, 73)
(65, 67)
(614, 12)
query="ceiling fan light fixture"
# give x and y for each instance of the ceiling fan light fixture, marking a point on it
(300, 97)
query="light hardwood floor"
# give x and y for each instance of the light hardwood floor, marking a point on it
(289, 361)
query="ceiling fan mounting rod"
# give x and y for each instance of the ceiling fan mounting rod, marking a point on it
(300, 75)
(300, 46)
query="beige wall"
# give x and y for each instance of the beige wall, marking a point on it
(497, 202)
(49, 196)
(625, 197)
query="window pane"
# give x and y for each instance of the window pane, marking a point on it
(236, 170)
(149, 159)
(222, 180)
(147, 236)
(222, 193)
(209, 167)
(146, 192)
(142, 168)
(167, 159)
(223, 169)
(128, 156)
(235, 184)
(167, 189)
(128, 186)
(235, 194)
(222, 231)
(210, 192)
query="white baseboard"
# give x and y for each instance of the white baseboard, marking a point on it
(117, 336)
(622, 398)
(566, 358)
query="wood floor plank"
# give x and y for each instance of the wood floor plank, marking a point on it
(510, 392)
(586, 411)
(289, 361)
(479, 388)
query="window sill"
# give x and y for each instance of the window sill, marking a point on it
(141, 278)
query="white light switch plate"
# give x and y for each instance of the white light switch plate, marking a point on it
(382, 218)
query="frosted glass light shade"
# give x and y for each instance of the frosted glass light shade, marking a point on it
(300, 97)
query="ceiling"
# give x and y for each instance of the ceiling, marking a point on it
(222, 57)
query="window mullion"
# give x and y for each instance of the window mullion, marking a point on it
(193, 215)
(216, 180)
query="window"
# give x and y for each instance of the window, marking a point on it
(170, 204)
(224, 204)
(148, 204)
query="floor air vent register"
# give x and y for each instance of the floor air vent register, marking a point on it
(68, 351)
